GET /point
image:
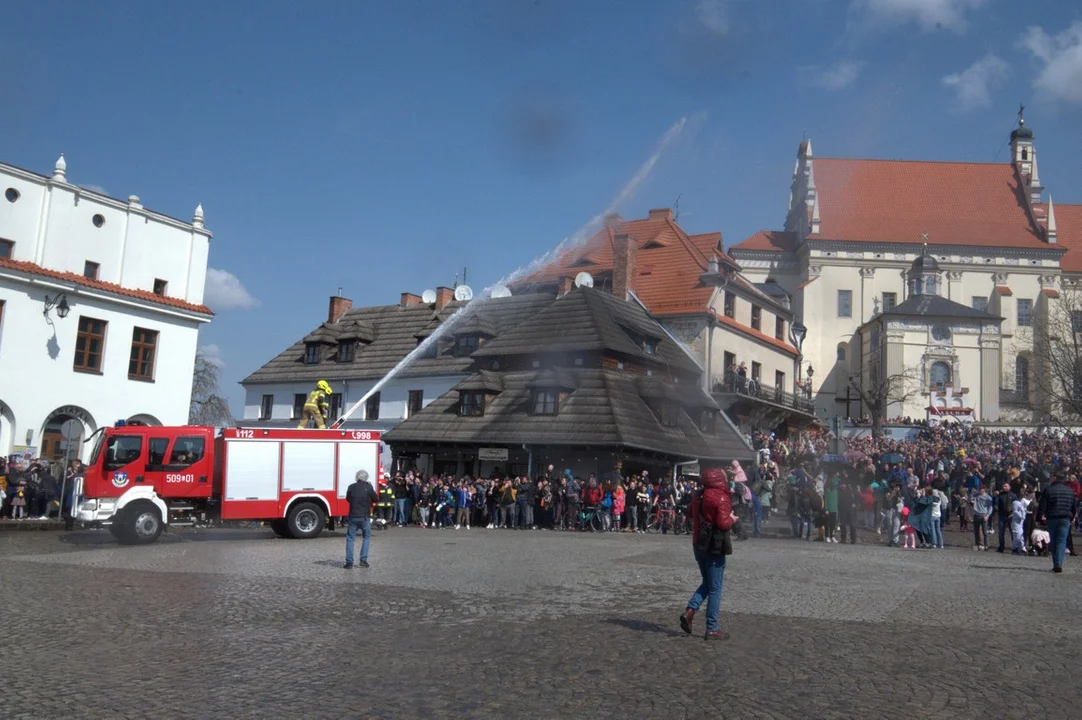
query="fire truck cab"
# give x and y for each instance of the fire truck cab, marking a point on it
(141, 478)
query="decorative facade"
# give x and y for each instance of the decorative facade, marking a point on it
(101, 301)
(854, 228)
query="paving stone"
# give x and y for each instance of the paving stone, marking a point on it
(236, 623)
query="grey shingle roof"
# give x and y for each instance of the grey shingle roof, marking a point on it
(395, 331)
(606, 409)
(588, 319)
(937, 306)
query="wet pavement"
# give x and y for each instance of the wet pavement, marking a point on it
(486, 623)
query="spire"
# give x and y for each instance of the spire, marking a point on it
(1034, 178)
(808, 148)
(1050, 228)
(815, 216)
(197, 217)
(60, 172)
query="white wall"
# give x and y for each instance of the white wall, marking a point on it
(394, 396)
(36, 373)
(51, 225)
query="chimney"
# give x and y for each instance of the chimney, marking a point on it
(661, 214)
(612, 220)
(338, 307)
(623, 265)
(567, 284)
(444, 295)
(409, 299)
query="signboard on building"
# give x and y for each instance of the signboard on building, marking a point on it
(492, 454)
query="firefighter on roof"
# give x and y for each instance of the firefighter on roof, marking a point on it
(316, 406)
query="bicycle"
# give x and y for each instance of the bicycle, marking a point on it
(661, 519)
(594, 518)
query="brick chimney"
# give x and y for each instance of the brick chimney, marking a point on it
(409, 299)
(623, 265)
(661, 214)
(338, 307)
(567, 284)
(444, 295)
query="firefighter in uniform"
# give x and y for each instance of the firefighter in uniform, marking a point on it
(316, 406)
(386, 502)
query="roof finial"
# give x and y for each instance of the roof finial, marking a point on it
(60, 172)
(1050, 224)
(197, 217)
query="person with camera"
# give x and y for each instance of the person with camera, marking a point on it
(711, 520)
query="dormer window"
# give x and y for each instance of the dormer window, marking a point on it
(708, 421)
(649, 347)
(311, 353)
(432, 350)
(346, 351)
(670, 414)
(471, 403)
(545, 401)
(466, 344)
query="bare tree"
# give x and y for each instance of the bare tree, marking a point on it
(879, 394)
(208, 406)
(1054, 370)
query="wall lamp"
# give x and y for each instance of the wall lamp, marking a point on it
(60, 302)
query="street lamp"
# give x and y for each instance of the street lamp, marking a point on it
(808, 387)
(60, 302)
(797, 333)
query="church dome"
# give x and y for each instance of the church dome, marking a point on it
(924, 264)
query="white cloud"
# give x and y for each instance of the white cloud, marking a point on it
(213, 354)
(929, 14)
(1060, 77)
(224, 291)
(712, 16)
(973, 85)
(833, 77)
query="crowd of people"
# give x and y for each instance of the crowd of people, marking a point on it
(36, 489)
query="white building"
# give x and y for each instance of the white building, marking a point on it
(100, 306)
(854, 228)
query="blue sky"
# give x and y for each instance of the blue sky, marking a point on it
(382, 146)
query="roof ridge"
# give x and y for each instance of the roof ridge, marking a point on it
(916, 162)
(700, 259)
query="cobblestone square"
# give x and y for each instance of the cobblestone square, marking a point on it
(492, 623)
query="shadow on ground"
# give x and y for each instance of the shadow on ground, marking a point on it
(644, 626)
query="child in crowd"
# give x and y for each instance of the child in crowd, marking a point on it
(909, 531)
(18, 502)
(1039, 541)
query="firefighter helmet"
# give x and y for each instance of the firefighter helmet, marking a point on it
(322, 385)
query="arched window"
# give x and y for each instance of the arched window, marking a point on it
(1021, 377)
(940, 374)
(841, 352)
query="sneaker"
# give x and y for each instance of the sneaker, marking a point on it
(363, 563)
(348, 566)
(1057, 569)
(457, 527)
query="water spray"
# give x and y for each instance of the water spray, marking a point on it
(577, 238)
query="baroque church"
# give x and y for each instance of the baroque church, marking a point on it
(929, 277)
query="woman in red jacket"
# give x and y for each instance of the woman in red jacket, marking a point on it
(714, 505)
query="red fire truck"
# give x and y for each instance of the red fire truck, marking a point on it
(141, 478)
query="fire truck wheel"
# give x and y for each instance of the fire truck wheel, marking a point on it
(280, 528)
(140, 524)
(306, 520)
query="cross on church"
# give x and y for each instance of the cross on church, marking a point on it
(924, 237)
(847, 400)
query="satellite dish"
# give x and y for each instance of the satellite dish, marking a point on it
(428, 297)
(501, 291)
(584, 279)
(463, 293)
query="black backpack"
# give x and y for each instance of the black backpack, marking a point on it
(711, 539)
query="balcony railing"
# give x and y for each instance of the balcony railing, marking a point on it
(734, 384)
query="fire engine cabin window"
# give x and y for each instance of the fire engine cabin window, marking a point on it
(186, 451)
(122, 450)
(158, 446)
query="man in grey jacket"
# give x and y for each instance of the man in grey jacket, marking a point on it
(361, 496)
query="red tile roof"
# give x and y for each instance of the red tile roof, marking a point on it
(769, 240)
(896, 201)
(668, 261)
(147, 295)
(1069, 236)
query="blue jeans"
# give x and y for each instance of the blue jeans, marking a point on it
(1057, 530)
(365, 526)
(937, 532)
(712, 568)
(1004, 528)
(400, 516)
